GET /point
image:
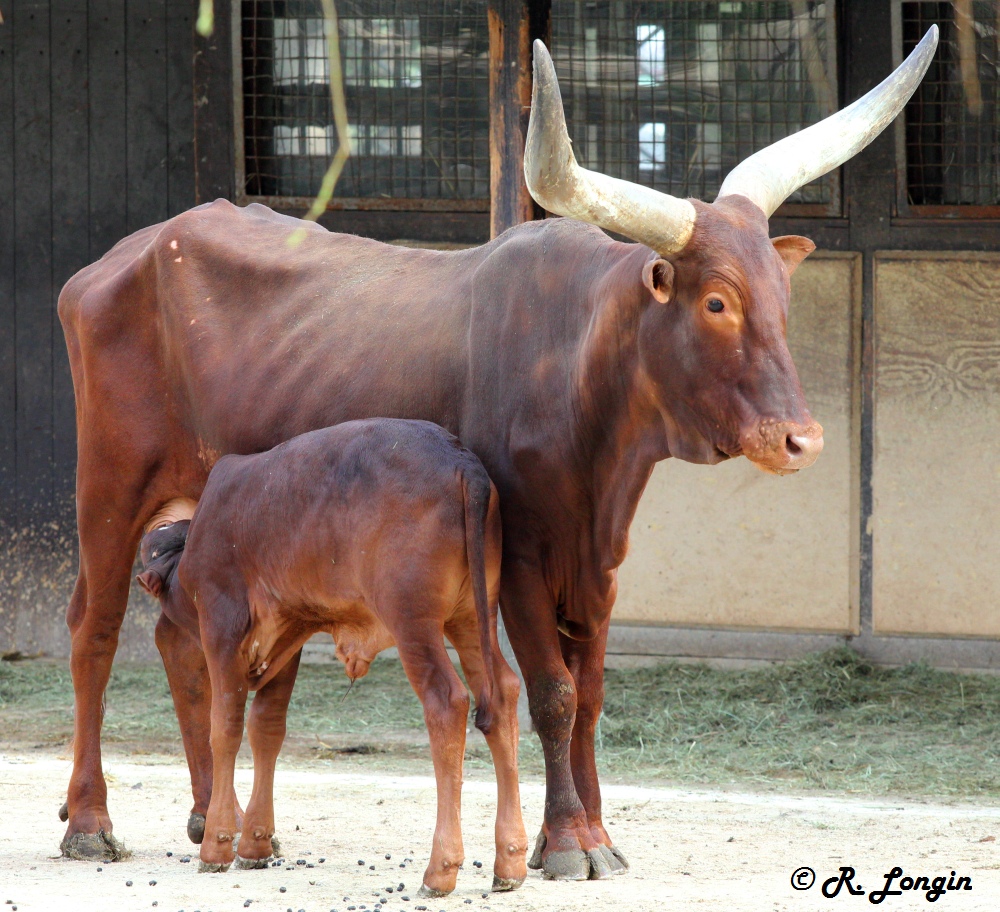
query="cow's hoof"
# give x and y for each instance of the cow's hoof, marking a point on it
(601, 867)
(64, 812)
(99, 846)
(621, 859)
(211, 867)
(426, 892)
(251, 864)
(506, 884)
(573, 864)
(196, 828)
(535, 862)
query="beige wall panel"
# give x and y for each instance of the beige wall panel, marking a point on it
(937, 428)
(729, 546)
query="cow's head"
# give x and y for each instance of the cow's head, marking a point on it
(713, 338)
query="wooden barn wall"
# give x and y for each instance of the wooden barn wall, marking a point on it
(886, 541)
(96, 130)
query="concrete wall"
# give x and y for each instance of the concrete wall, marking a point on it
(936, 473)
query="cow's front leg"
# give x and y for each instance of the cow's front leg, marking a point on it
(585, 660)
(565, 849)
(266, 730)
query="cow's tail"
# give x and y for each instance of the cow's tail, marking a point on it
(477, 491)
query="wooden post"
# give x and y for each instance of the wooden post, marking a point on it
(514, 24)
(214, 166)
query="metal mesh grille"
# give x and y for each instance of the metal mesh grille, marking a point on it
(952, 136)
(674, 94)
(416, 85)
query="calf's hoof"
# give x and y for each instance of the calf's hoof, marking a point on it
(99, 846)
(426, 892)
(212, 867)
(276, 847)
(251, 864)
(64, 812)
(196, 828)
(506, 884)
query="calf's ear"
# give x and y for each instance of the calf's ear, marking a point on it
(151, 581)
(793, 249)
(658, 277)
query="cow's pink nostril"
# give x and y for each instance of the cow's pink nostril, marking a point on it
(802, 448)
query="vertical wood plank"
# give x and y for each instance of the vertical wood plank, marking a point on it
(70, 253)
(214, 159)
(180, 107)
(32, 203)
(513, 25)
(8, 422)
(146, 112)
(109, 187)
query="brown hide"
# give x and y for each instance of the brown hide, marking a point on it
(569, 363)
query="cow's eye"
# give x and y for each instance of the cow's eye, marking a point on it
(716, 306)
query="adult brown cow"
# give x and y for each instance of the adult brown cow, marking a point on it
(568, 362)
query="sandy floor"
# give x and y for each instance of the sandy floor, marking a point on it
(698, 850)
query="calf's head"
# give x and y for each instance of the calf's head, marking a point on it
(160, 551)
(713, 338)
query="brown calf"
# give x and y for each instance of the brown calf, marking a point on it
(381, 532)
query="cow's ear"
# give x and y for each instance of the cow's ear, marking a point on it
(658, 277)
(793, 250)
(151, 581)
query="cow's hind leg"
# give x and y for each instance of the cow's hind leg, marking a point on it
(509, 866)
(266, 730)
(446, 710)
(110, 512)
(585, 660)
(190, 689)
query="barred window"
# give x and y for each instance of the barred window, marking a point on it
(674, 95)
(416, 85)
(668, 94)
(949, 142)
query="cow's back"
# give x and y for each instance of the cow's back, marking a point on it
(236, 340)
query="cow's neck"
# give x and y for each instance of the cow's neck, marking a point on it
(623, 434)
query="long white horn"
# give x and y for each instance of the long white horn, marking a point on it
(770, 176)
(558, 183)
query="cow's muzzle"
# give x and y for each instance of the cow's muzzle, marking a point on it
(783, 447)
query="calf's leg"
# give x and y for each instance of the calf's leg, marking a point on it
(190, 689)
(585, 660)
(228, 674)
(509, 867)
(446, 709)
(266, 729)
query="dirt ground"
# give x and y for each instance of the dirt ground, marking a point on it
(705, 850)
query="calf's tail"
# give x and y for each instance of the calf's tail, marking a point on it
(477, 489)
